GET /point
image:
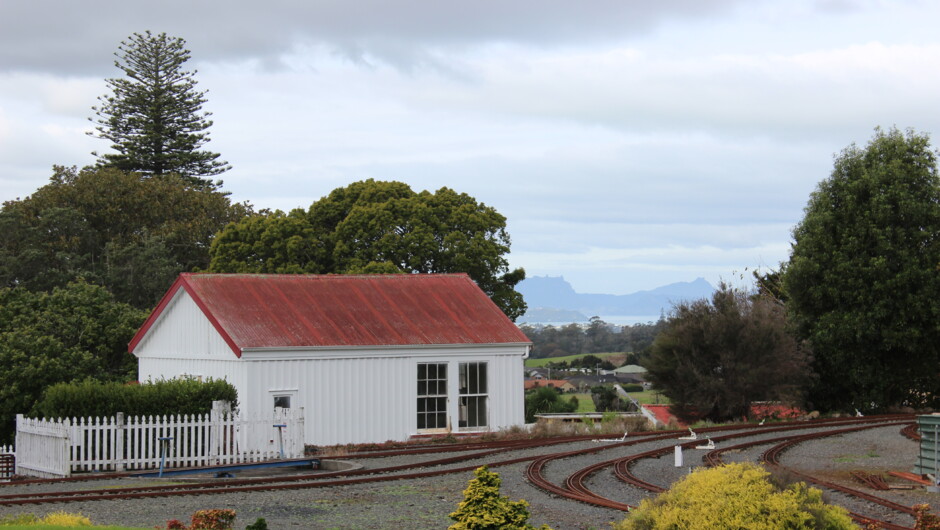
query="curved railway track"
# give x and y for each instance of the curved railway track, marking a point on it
(575, 485)
(505, 453)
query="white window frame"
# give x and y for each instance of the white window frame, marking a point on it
(467, 392)
(290, 393)
(441, 395)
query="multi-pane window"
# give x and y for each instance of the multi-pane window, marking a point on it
(473, 395)
(282, 402)
(432, 395)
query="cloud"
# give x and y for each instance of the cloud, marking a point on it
(79, 37)
(819, 93)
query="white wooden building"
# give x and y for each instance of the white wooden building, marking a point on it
(370, 358)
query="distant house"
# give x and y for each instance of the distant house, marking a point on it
(560, 384)
(583, 382)
(370, 358)
(630, 369)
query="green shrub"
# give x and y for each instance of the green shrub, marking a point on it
(93, 398)
(736, 496)
(545, 400)
(259, 524)
(632, 388)
(606, 399)
(484, 508)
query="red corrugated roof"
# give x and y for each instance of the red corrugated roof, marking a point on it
(663, 415)
(295, 310)
(536, 383)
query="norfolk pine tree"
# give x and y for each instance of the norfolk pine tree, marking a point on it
(154, 116)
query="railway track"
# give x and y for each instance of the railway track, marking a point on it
(504, 453)
(575, 485)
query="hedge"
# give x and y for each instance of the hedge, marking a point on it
(97, 399)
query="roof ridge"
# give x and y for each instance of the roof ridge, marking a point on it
(331, 275)
(342, 310)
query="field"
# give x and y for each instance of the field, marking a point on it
(585, 403)
(649, 397)
(616, 358)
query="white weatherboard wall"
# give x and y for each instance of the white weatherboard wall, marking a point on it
(184, 342)
(350, 395)
(370, 395)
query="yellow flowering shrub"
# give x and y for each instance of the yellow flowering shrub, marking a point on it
(66, 519)
(736, 496)
(59, 519)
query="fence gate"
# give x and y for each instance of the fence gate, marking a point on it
(42, 448)
(7, 466)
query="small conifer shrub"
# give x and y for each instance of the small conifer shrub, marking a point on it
(484, 508)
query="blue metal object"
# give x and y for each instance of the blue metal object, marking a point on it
(164, 442)
(314, 463)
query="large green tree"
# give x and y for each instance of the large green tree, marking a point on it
(72, 333)
(131, 235)
(379, 227)
(153, 116)
(715, 357)
(862, 282)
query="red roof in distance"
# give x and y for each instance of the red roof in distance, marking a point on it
(297, 310)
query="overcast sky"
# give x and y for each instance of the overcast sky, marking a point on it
(630, 144)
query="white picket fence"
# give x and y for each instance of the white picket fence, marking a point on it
(57, 448)
(7, 458)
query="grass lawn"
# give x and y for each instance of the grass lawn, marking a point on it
(649, 397)
(49, 527)
(616, 358)
(585, 403)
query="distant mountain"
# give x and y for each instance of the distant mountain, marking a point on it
(545, 294)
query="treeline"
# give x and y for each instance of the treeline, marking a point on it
(86, 256)
(597, 337)
(848, 323)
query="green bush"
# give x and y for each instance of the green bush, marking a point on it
(259, 524)
(736, 496)
(484, 508)
(95, 399)
(606, 399)
(633, 388)
(546, 399)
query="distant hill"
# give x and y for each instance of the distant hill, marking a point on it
(552, 299)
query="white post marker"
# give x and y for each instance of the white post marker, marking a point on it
(678, 456)
(280, 437)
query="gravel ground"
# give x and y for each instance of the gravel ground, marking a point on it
(426, 503)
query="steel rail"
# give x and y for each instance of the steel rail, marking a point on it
(297, 481)
(623, 473)
(574, 485)
(574, 488)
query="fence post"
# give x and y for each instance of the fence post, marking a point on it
(18, 443)
(119, 434)
(300, 435)
(217, 430)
